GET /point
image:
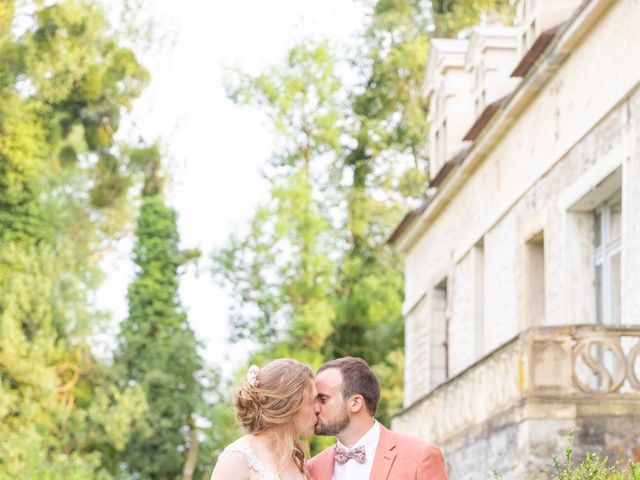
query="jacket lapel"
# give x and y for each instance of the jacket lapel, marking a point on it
(385, 455)
(326, 466)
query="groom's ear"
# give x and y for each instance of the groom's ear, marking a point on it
(356, 403)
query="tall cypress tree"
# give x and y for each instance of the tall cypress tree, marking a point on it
(158, 349)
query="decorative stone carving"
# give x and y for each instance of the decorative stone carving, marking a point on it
(607, 365)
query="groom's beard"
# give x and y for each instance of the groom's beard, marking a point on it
(336, 427)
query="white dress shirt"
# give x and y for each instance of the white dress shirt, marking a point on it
(352, 470)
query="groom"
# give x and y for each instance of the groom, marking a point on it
(348, 394)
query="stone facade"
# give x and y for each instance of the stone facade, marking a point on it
(508, 246)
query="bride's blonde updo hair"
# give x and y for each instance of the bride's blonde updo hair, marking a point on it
(270, 399)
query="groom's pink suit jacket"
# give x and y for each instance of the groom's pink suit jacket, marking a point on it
(398, 457)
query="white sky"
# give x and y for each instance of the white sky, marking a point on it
(217, 149)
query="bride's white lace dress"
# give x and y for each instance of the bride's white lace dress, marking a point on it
(242, 446)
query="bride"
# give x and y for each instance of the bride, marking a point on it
(276, 406)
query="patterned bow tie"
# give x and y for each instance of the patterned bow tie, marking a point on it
(344, 454)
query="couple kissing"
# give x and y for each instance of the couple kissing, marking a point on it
(282, 401)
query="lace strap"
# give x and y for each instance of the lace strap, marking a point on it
(254, 462)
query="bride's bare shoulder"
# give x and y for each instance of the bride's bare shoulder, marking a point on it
(238, 444)
(232, 463)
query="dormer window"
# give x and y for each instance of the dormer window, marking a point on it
(535, 17)
(448, 87)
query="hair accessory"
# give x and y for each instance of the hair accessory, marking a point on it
(252, 375)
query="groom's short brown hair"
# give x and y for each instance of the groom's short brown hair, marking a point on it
(357, 379)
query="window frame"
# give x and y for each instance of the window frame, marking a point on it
(603, 255)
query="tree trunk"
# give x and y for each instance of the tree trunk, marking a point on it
(192, 456)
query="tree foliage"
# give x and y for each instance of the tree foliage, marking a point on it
(313, 276)
(453, 16)
(221, 427)
(64, 84)
(60, 417)
(281, 271)
(157, 347)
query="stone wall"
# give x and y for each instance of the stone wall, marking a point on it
(524, 450)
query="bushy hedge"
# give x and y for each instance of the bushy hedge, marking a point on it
(592, 468)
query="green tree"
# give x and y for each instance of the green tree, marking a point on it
(60, 417)
(388, 167)
(221, 427)
(369, 139)
(65, 82)
(157, 347)
(281, 271)
(453, 16)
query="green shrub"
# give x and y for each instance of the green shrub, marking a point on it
(592, 467)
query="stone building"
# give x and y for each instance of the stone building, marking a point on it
(522, 269)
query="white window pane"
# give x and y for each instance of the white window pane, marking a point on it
(597, 228)
(615, 228)
(599, 309)
(615, 288)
